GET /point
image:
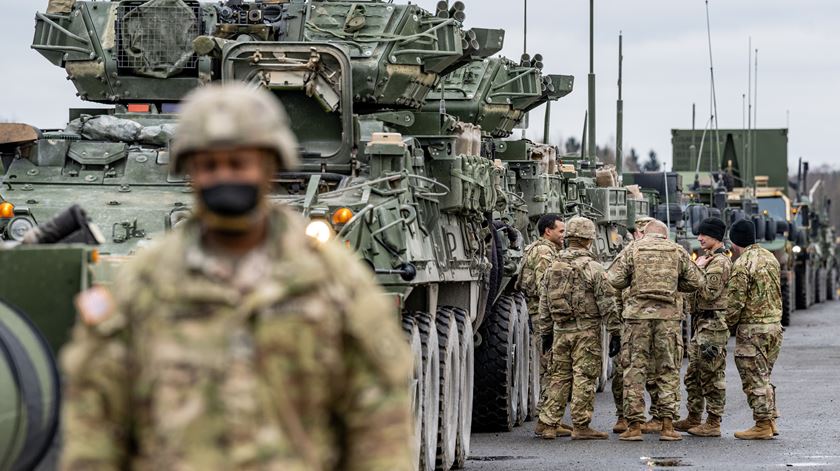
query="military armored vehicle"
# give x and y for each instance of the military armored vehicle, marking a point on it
(404, 119)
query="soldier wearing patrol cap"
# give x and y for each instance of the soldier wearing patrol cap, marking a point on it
(237, 342)
(575, 301)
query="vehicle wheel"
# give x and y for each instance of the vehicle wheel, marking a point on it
(431, 389)
(787, 305)
(523, 357)
(530, 383)
(832, 285)
(606, 361)
(450, 388)
(415, 387)
(493, 406)
(803, 286)
(822, 282)
(465, 407)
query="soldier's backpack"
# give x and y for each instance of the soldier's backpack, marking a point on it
(566, 288)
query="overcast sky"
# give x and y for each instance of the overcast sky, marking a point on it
(666, 66)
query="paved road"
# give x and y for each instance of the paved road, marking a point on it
(807, 376)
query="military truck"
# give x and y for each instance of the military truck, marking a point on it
(722, 169)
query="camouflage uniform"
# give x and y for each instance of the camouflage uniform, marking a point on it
(539, 256)
(576, 351)
(654, 269)
(286, 358)
(754, 304)
(705, 379)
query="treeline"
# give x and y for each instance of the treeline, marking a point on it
(632, 160)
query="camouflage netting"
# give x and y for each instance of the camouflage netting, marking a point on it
(157, 38)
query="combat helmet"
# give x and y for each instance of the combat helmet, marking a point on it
(580, 227)
(234, 114)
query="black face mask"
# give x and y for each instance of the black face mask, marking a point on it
(231, 199)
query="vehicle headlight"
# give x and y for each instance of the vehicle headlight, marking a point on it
(797, 249)
(18, 227)
(319, 230)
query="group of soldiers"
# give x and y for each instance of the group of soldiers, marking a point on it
(642, 299)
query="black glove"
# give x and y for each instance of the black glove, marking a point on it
(547, 340)
(709, 352)
(615, 345)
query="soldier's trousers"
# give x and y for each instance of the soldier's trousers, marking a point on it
(575, 367)
(619, 364)
(655, 350)
(705, 379)
(757, 347)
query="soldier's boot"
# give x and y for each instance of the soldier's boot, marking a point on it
(653, 425)
(693, 420)
(774, 427)
(763, 430)
(563, 427)
(710, 429)
(586, 433)
(620, 425)
(633, 433)
(543, 430)
(668, 434)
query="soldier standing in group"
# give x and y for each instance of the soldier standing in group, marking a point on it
(705, 379)
(654, 270)
(539, 256)
(237, 342)
(754, 304)
(578, 300)
(616, 352)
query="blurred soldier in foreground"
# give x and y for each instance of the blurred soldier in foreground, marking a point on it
(237, 342)
(755, 305)
(576, 299)
(654, 269)
(705, 379)
(616, 352)
(538, 258)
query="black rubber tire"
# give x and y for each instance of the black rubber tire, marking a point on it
(531, 375)
(497, 258)
(803, 286)
(831, 295)
(821, 285)
(493, 406)
(431, 389)
(523, 358)
(465, 407)
(787, 302)
(606, 361)
(412, 333)
(449, 343)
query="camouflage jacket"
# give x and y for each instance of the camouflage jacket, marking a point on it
(538, 258)
(653, 270)
(754, 293)
(712, 297)
(292, 360)
(593, 301)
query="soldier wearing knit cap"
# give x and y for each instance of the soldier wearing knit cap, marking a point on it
(754, 304)
(705, 379)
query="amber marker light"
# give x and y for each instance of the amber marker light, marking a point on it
(7, 210)
(342, 216)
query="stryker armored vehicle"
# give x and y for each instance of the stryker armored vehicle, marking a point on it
(403, 117)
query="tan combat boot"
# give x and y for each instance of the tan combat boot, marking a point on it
(710, 429)
(567, 428)
(774, 427)
(693, 420)
(586, 433)
(763, 430)
(668, 434)
(633, 433)
(620, 425)
(653, 425)
(543, 430)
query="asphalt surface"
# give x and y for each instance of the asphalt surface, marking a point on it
(807, 377)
